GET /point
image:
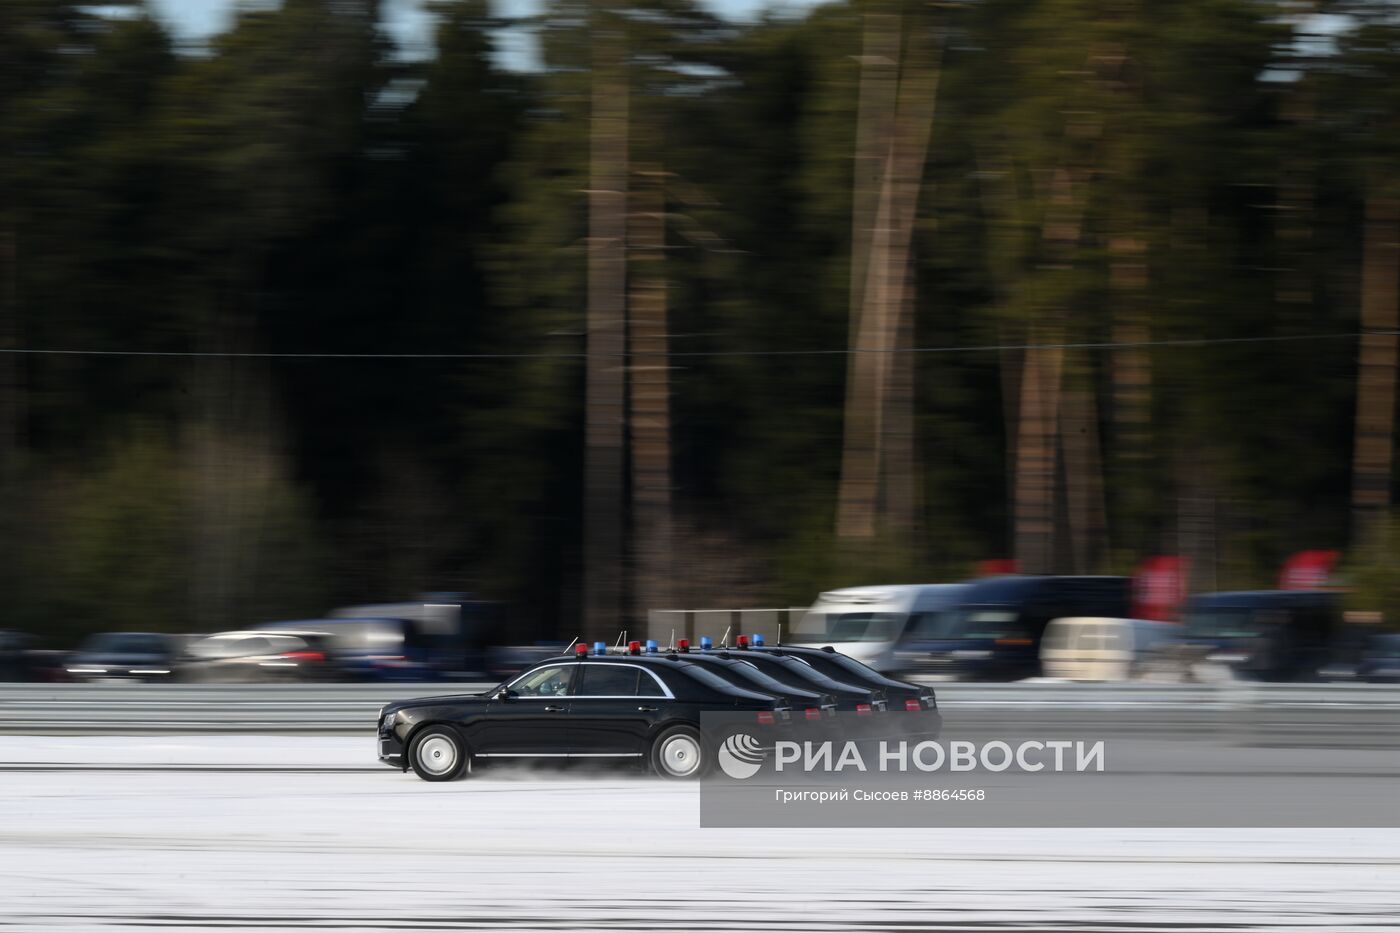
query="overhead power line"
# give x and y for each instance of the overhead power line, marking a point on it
(692, 354)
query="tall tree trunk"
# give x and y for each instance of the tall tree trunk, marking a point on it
(901, 502)
(228, 442)
(1035, 456)
(1197, 533)
(1083, 474)
(604, 385)
(1132, 389)
(879, 86)
(1038, 425)
(11, 373)
(1375, 390)
(884, 301)
(650, 400)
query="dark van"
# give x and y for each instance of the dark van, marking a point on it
(994, 632)
(1282, 635)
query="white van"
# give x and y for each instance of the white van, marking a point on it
(869, 623)
(1088, 648)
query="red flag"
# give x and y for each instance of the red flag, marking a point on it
(1159, 587)
(1308, 570)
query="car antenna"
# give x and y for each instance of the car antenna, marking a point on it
(724, 642)
(780, 633)
(621, 637)
(673, 641)
(571, 645)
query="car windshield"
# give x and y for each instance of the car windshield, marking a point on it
(754, 675)
(1222, 623)
(856, 669)
(1105, 636)
(826, 627)
(125, 643)
(709, 678)
(1387, 647)
(808, 674)
(989, 624)
(927, 626)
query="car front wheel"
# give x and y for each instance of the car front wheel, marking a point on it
(438, 754)
(679, 754)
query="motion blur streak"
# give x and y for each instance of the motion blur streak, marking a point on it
(629, 323)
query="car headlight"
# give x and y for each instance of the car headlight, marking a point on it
(386, 722)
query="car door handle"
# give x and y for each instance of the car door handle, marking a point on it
(554, 709)
(646, 709)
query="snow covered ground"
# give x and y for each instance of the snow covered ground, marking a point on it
(287, 832)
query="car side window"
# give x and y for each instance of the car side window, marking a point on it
(546, 682)
(647, 686)
(607, 680)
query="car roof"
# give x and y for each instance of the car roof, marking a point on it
(668, 661)
(906, 596)
(258, 633)
(1013, 586)
(1246, 598)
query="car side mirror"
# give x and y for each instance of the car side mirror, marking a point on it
(505, 693)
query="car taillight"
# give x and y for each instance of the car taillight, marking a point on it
(765, 718)
(913, 706)
(862, 709)
(304, 655)
(813, 712)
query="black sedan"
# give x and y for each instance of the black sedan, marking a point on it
(795, 672)
(900, 695)
(635, 707)
(807, 704)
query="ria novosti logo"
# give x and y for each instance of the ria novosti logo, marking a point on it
(741, 756)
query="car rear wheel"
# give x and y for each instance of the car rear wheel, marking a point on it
(679, 754)
(438, 754)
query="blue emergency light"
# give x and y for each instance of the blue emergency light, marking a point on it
(706, 642)
(600, 647)
(758, 641)
(651, 646)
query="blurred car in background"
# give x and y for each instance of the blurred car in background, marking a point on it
(1099, 649)
(1370, 658)
(111, 657)
(452, 632)
(507, 660)
(1273, 635)
(368, 648)
(994, 631)
(259, 657)
(21, 662)
(1381, 663)
(873, 624)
